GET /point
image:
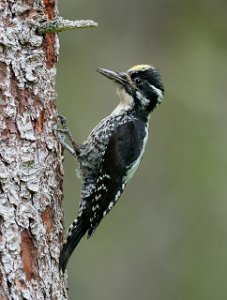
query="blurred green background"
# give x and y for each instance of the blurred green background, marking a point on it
(167, 236)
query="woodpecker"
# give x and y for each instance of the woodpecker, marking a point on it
(113, 150)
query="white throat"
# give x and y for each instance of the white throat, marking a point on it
(126, 102)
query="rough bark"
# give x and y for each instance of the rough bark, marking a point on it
(30, 157)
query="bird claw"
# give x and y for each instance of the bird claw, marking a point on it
(64, 131)
(63, 121)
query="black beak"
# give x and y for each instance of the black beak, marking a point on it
(119, 78)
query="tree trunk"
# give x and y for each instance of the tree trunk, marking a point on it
(30, 156)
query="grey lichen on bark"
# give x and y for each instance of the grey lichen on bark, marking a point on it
(31, 171)
(59, 25)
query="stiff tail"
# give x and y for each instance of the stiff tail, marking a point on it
(72, 241)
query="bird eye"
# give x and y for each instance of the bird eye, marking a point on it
(138, 81)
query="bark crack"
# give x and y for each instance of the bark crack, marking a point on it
(28, 255)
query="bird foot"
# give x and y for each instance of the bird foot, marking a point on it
(64, 131)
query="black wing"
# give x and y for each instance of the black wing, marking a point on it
(125, 146)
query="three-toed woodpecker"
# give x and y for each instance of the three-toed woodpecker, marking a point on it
(113, 150)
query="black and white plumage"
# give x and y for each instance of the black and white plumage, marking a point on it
(113, 150)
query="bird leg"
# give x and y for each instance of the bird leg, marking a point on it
(65, 131)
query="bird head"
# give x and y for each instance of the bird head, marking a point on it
(140, 87)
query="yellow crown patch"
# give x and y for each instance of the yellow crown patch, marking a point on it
(140, 68)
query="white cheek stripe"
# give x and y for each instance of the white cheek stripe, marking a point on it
(144, 100)
(157, 91)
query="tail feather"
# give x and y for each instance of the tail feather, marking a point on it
(72, 241)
